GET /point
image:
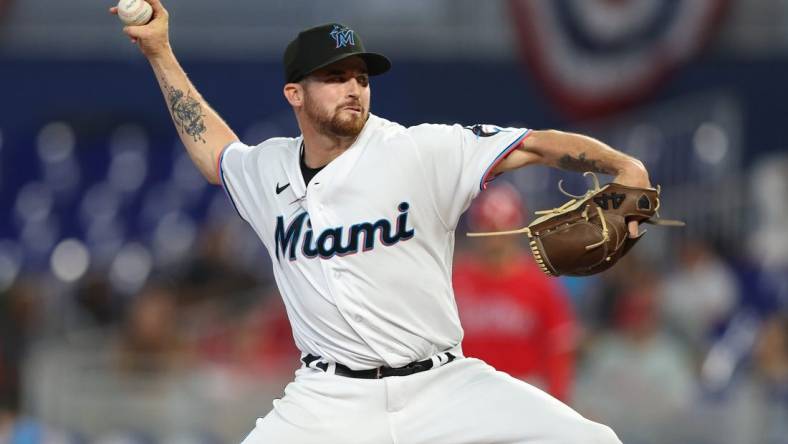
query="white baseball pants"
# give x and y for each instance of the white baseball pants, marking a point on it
(463, 402)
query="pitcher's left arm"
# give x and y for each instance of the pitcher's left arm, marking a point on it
(579, 153)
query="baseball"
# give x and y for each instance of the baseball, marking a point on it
(134, 12)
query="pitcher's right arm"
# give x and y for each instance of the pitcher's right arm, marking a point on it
(201, 129)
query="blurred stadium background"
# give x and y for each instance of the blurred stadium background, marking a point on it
(136, 307)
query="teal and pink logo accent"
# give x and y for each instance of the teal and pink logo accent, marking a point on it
(343, 36)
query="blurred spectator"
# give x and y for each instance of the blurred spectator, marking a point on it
(768, 244)
(213, 272)
(150, 341)
(258, 343)
(771, 371)
(599, 305)
(264, 342)
(19, 312)
(515, 318)
(96, 305)
(699, 294)
(753, 406)
(635, 377)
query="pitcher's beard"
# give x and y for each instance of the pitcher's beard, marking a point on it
(337, 124)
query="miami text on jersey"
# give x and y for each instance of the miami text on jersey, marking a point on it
(338, 241)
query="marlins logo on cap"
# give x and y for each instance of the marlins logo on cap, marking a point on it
(343, 36)
(317, 47)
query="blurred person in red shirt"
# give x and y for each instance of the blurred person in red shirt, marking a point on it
(515, 318)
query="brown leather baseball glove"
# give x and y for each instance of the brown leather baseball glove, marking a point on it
(588, 234)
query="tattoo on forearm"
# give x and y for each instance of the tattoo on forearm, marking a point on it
(186, 113)
(581, 164)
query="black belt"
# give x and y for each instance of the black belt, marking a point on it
(376, 373)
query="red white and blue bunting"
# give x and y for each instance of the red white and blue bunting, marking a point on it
(597, 56)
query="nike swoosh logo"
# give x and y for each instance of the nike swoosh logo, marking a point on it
(282, 188)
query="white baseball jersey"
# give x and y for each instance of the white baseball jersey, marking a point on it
(363, 254)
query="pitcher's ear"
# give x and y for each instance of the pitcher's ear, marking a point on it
(294, 93)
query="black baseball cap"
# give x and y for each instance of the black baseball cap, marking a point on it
(317, 47)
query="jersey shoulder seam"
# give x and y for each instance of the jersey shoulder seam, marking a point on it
(277, 142)
(275, 147)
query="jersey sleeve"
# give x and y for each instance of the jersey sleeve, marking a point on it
(231, 172)
(458, 161)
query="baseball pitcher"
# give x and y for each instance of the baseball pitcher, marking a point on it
(358, 215)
